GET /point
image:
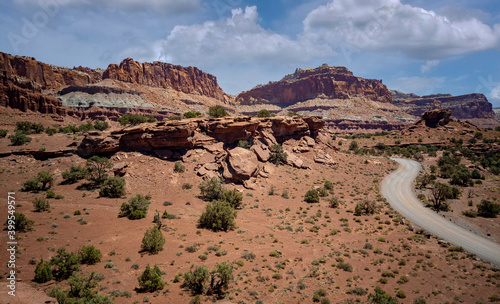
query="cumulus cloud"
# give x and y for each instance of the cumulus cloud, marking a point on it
(237, 39)
(495, 94)
(391, 25)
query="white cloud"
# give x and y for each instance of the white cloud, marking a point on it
(429, 65)
(238, 39)
(418, 85)
(391, 25)
(495, 95)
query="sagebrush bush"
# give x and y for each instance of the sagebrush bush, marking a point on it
(215, 282)
(136, 208)
(43, 272)
(89, 255)
(113, 187)
(153, 240)
(150, 280)
(218, 216)
(41, 204)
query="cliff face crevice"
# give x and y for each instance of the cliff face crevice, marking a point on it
(188, 80)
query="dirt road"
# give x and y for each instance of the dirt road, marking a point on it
(398, 189)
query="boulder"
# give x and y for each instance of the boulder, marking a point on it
(324, 158)
(261, 151)
(294, 160)
(242, 164)
(309, 141)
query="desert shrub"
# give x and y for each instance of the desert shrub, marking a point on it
(381, 297)
(19, 222)
(264, 113)
(101, 125)
(475, 174)
(357, 291)
(461, 177)
(43, 273)
(50, 194)
(192, 114)
(3, 133)
(322, 192)
(214, 282)
(86, 127)
(82, 289)
(136, 208)
(153, 240)
(311, 196)
(244, 144)
(440, 193)
(89, 255)
(211, 189)
(65, 263)
(249, 256)
(196, 280)
(19, 139)
(344, 266)
(96, 168)
(488, 209)
(150, 280)
(328, 185)
(41, 204)
(45, 179)
(470, 213)
(135, 119)
(218, 215)
(233, 197)
(333, 202)
(217, 111)
(74, 174)
(179, 168)
(278, 156)
(366, 207)
(175, 117)
(353, 146)
(187, 186)
(113, 187)
(27, 127)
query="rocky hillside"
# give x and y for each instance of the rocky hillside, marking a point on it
(497, 112)
(345, 101)
(474, 108)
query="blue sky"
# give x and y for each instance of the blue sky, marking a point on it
(420, 46)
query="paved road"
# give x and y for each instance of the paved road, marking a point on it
(398, 189)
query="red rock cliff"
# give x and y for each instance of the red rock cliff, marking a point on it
(165, 75)
(324, 81)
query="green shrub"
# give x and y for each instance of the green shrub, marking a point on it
(217, 111)
(150, 280)
(233, 197)
(179, 168)
(19, 139)
(196, 280)
(221, 276)
(353, 146)
(65, 263)
(211, 189)
(175, 117)
(328, 185)
(214, 282)
(136, 208)
(20, 223)
(312, 196)
(50, 194)
(135, 119)
(153, 240)
(244, 144)
(186, 186)
(96, 168)
(82, 289)
(113, 187)
(333, 202)
(43, 273)
(381, 297)
(192, 114)
(345, 266)
(400, 294)
(101, 125)
(366, 207)
(488, 209)
(3, 133)
(278, 156)
(86, 127)
(264, 113)
(322, 192)
(218, 215)
(461, 177)
(27, 127)
(41, 204)
(89, 255)
(74, 174)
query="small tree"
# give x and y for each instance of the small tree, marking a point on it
(89, 255)
(46, 179)
(211, 189)
(32, 184)
(82, 289)
(264, 113)
(278, 156)
(101, 125)
(192, 114)
(136, 208)
(113, 187)
(19, 139)
(233, 197)
(312, 196)
(41, 204)
(220, 277)
(381, 297)
(96, 168)
(353, 146)
(488, 209)
(65, 263)
(153, 240)
(217, 111)
(74, 174)
(150, 280)
(20, 223)
(461, 177)
(196, 279)
(366, 207)
(43, 273)
(218, 215)
(439, 194)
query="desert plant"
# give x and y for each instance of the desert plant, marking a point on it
(150, 280)
(96, 168)
(101, 125)
(19, 222)
(220, 276)
(278, 156)
(233, 197)
(196, 279)
(328, 185)
(135, 119)
(153, 240)
(439, 194)
(488, 209)
(82, 289)
(218, 215)
(264, 113)
(381, 297)
(19, 139)
(217, 111)
(136, 208)
(113, 187)
(89, 255)
(211, 189)
(74, 174)
(3, 133)
(365, 207)
(41, 204)
(43, 273)
(353, 146)
(179, 168)
(461, 177)
(311, 196)
(192, 114)
(65, 263)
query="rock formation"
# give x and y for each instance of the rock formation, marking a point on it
(436, 118)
